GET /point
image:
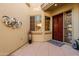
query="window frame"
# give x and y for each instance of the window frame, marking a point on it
(49, 24)
(35, 24)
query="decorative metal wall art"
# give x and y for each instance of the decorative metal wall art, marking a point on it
(11, 22)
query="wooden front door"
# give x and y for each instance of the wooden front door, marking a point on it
(58, 27)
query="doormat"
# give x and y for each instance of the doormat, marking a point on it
(56, 43)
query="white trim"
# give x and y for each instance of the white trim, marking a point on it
(63, 26)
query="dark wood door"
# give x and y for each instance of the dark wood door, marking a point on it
(58, 27)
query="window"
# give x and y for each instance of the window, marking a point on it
(35, 23)
(47, 23)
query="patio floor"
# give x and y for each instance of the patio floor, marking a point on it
(45, 49)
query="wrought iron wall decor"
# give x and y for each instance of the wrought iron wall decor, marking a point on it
(11, 22)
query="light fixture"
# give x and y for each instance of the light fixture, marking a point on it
(55, 4)
(39, 24)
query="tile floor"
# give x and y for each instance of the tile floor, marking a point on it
(45, 49)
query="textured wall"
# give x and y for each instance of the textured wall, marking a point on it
(11, 39)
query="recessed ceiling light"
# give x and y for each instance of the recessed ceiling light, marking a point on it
(55, 4)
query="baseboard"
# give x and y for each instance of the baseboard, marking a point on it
(16, 49)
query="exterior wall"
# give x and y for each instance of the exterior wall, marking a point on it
(75, 16)
(48, 36)
(11, 39)
(75, 21)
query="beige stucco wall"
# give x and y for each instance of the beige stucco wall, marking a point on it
(75, 17)
(75, 21)
(11, 39)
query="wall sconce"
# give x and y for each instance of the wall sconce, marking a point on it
(11, 22)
